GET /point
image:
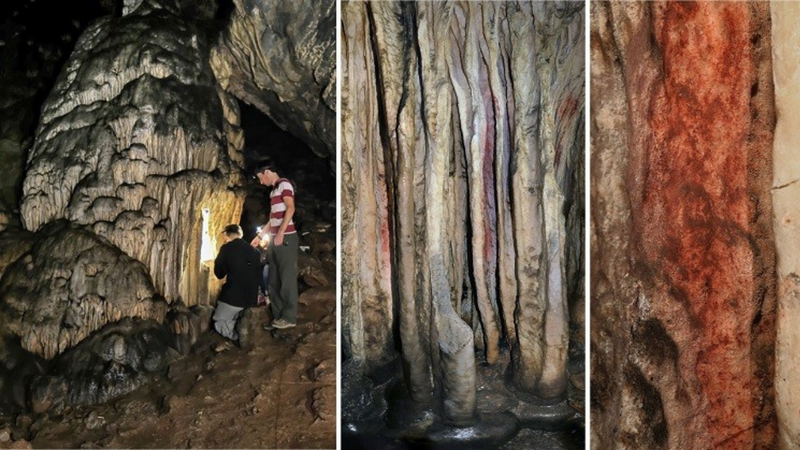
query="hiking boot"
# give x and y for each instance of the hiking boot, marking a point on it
(281, 324)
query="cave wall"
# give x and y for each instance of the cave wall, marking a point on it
(462, 131)
(32, 54)
(683, 262)
(785, 51)
(280, 56)
(135, 140)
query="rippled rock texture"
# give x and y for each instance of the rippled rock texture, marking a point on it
(71, 284)
(462, 150)
(280, 56)
(683, 261)
(135, 141)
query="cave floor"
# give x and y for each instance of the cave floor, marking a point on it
(279, 394)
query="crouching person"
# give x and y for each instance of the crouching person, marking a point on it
(241, 263)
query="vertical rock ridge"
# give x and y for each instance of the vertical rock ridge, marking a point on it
(784, 58)
(477, 265)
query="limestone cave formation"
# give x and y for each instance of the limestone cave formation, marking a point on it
(462, 224)
(693, 232)
(129, 133)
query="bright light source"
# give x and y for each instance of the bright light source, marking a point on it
(207, 246)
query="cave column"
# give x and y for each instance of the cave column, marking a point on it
(528, 214)
(452, 339)
(476, 115)
(398, 97)
(498, 48)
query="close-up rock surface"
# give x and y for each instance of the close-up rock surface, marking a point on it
(683, 280)
(462, 198)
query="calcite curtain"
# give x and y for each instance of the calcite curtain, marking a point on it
(683, 261)
(462, 172)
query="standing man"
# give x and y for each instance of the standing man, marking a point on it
(282, 251)
(241, 264)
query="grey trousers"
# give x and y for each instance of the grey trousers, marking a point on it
(225, 317)
(282, 283)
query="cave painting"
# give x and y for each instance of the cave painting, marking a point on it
(694, 242)
(462, 222)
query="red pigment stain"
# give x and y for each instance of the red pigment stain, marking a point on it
(487, 167)
(567, 109)
(696, 214)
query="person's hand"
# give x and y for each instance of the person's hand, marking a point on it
(255, 241)
(278, 239)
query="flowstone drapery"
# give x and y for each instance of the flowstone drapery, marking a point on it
(462, 163)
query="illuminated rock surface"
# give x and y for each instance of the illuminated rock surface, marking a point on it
(462, 150)
(135, 141)
(683, 261)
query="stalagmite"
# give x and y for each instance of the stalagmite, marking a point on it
(134, 167)
(451, 338)
(682, 256)
(135, 141)
(477, 128)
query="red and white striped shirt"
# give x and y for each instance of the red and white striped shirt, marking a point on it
(283, 189)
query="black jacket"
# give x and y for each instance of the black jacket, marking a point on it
(241, 264)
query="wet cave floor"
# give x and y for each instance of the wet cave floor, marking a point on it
(377, 412)
(281, 393)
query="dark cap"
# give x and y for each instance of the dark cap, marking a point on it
(233, 229)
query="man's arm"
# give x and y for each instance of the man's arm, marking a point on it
(221, 264)
(257, 239)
